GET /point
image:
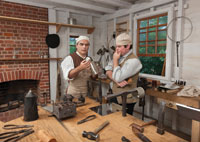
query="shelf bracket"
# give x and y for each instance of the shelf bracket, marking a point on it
(58, 28)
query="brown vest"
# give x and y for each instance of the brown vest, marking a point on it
(78, 86)
(131, 85)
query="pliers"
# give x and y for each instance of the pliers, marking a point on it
(11, 135)
(90, 117)
(12, 126)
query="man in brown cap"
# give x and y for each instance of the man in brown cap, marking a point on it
(124, 66)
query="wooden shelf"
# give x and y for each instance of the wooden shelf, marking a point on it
(30, 59)
(58, 25)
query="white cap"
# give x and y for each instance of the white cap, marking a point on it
(123, 39)
(82, 38)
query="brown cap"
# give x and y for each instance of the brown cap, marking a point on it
(123, 39)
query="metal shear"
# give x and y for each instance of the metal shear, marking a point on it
(90, 117)
(12, 126)
(11, 135)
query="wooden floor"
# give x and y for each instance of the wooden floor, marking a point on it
(118, 127)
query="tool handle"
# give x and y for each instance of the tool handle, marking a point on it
(143, 137)
(101, 127)
(149, 123)
(45, 137)
(139, 128)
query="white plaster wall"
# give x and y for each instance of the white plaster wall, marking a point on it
(97, 41)
(63, 50)
(191, 47)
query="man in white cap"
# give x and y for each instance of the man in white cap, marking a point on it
(76, 69)
(124, 66)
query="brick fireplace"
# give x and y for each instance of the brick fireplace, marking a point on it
(21, 48)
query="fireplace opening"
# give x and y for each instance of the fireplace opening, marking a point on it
(12, 93)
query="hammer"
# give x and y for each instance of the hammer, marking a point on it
(140, 135)
(140, 128)
(94, 135)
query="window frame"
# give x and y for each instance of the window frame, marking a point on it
(169, 43)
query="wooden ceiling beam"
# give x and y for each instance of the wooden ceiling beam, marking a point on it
(118, 3)
(82, 5)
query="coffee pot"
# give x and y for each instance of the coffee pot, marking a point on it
(30, 107)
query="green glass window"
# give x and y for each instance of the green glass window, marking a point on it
(152, 65)
(143, 23)
(163, 20)
(142, 50)
(72, 44)
(152, 43)
(153, 22)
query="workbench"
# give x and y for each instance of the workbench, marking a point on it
(118, 127)
(171, 99)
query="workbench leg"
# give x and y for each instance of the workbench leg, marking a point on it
(150, 106)
(195, 131)
(174, 120)
(195, 136)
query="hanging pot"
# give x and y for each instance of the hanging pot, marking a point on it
(52, 40)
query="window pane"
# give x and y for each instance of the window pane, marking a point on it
(152, 29)
(163, 20)
(153, 22)
(152, 36)
(143, 23)
(162, 27)
(161, 49)
(72, 41)
(142, 50)
(151, 50)
(142, 43)
(152, 65)
(162, 42)
(142, 37)
(151, 43)
(143, 30)
(162, 34)
(72, 49)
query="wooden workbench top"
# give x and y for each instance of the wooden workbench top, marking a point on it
(48, 124)
(118, 127)
(189, 101)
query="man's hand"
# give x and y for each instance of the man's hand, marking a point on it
(122, 84)
(85, 65)
(116, 55)
(74, 72)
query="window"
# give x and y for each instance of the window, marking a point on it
(72, 44)
(152, 43)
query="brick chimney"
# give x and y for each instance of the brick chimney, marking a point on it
(26, 41)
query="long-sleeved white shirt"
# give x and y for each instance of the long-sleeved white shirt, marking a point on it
(130, 68)
(67, 65)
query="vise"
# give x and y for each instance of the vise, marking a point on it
(137, 92)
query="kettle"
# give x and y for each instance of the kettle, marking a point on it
(30, 107)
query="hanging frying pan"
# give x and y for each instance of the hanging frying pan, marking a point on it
(52, 40)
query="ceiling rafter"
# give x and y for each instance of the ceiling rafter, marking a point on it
(83, 5)
(119, 3)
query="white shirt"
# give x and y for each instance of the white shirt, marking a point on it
(67, 65)
(130, 67)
